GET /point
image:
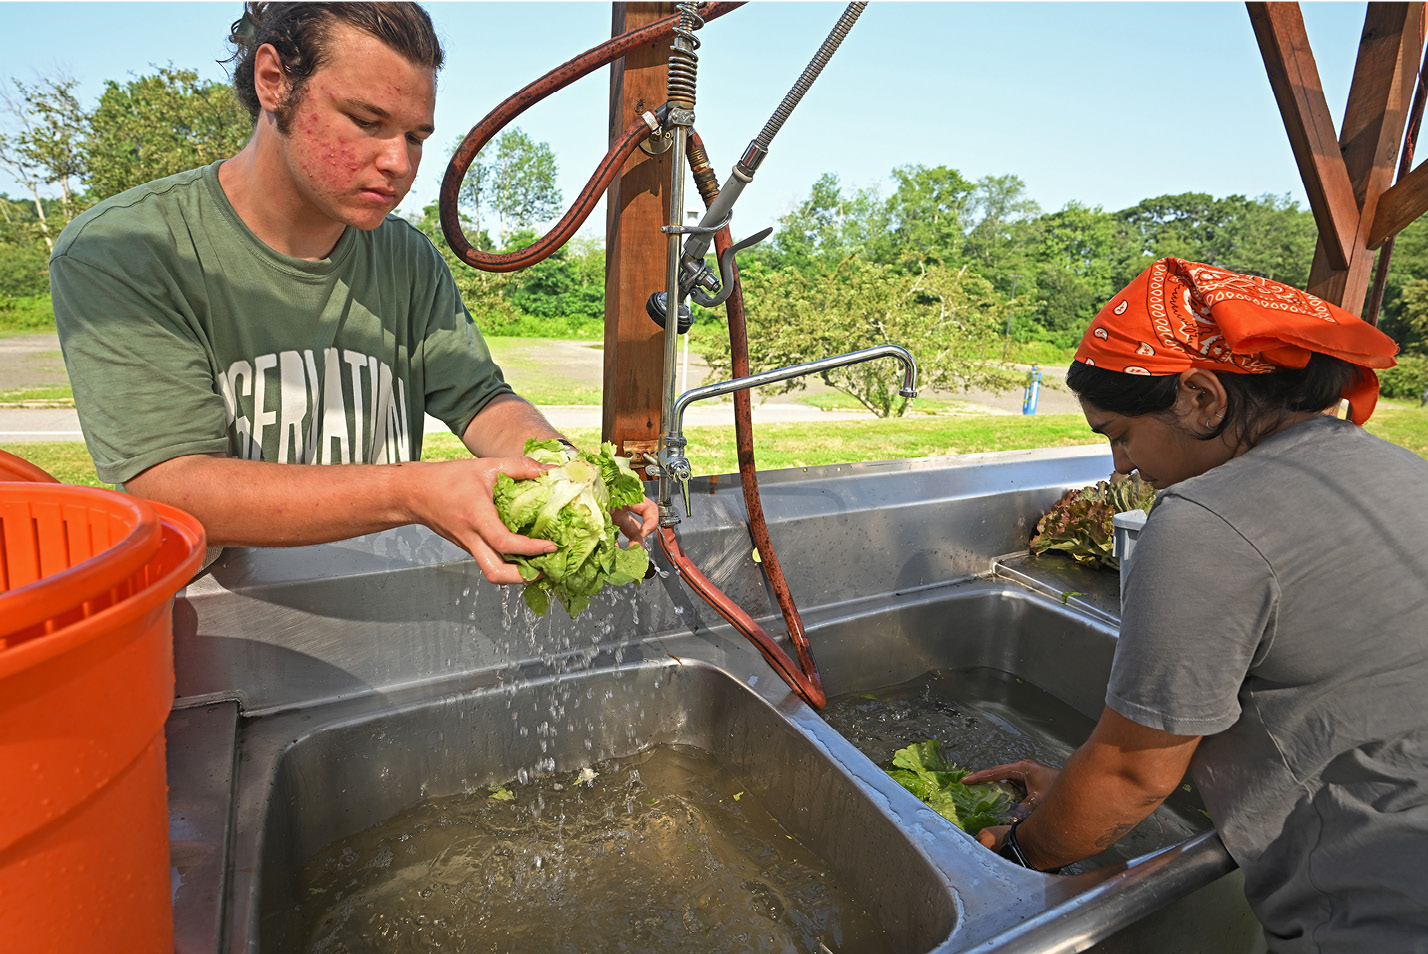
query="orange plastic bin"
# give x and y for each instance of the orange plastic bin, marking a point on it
(84, 863)
(17, 468)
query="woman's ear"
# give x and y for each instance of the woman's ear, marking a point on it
(1202, 397)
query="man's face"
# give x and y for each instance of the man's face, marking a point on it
(355, 134)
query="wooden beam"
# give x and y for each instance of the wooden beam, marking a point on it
(1374, 120)
(1294, 78)
(1404, 202)
(637, 205)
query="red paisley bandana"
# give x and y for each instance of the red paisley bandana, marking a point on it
(1178, 315)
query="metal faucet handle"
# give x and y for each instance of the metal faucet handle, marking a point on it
(679, 471)
(725, 287)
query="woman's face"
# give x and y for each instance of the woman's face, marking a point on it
(1165, 448)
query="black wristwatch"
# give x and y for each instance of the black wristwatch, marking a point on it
(1011, 848)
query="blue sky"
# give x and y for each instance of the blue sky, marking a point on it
(1100, 103)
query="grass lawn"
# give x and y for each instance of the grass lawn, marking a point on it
(776, 446)
(711, 450)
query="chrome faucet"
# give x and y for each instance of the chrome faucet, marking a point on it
(670, 465)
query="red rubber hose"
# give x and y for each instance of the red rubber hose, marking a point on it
(803, 678)
(497, 119)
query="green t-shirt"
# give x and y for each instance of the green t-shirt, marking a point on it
(185, 334)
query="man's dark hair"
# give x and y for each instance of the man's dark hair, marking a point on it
(300, 33)
(1257, 403)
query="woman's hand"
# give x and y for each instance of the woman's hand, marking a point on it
(1036, 777)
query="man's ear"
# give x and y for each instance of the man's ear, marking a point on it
(269, 80)
(1202, 396)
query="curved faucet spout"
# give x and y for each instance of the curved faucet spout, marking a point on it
(908, 389)
(671, 463)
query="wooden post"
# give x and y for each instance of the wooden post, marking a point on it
(637, 205)
(1344, 175)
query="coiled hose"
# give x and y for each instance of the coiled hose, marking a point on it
(605, 173)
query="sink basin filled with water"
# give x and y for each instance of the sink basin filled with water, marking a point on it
(654, 808)
(982, 717)
(660, 851)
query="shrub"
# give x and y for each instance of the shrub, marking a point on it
(1405, 380)
(26, 314)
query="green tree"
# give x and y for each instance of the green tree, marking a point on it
(24, 259)
(1073, 270)
(1409, 261)
(1269, 236)
(485, 294)
(929, 214)
(829, 227)
(998, 209)
(159, 125)
(559, 286)
(517, 182)
(948, 318)
(41, 145)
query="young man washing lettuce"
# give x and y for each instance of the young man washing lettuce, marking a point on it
(229, 329)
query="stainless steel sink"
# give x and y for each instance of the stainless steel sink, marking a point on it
(309, 777)
(310, 781)
(327, 689)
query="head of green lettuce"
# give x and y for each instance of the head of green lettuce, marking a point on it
(570, 505)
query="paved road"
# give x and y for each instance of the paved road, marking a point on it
(34, 361)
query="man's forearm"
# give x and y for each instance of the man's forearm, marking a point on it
(501, 428)
(255, 503)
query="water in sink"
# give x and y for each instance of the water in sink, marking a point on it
(662, 851)
(982, 717)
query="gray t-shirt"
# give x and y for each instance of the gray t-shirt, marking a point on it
(185, 334)
(1278, 606)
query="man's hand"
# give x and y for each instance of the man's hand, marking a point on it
(457, 502)
(637, 521)
(250, 503)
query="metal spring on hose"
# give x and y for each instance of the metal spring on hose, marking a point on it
(683, 63)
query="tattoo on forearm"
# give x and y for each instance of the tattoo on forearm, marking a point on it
(1113, 836)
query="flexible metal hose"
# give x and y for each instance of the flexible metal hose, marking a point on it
(810, 73)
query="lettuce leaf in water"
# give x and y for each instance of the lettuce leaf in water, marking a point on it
(1079, 524)
(922, 770)
(570, 505)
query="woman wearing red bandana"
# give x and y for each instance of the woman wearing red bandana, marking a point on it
(1274, 629)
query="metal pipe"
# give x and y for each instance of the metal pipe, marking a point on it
(908, 389)
(683, 67)
(671, 325)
